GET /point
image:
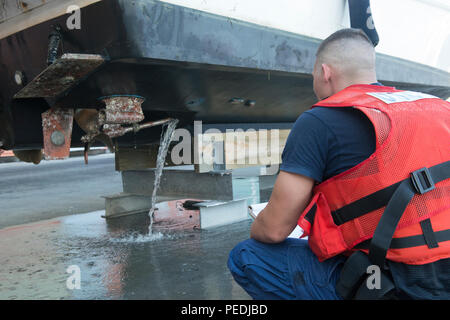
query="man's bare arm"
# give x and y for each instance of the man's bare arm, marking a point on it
(290, 196)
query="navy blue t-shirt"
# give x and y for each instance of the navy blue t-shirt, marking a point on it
(327, 141)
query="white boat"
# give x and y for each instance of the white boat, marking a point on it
(222, 62)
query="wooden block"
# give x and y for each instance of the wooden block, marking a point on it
(240, 149)
(141, 157)
(212, 152)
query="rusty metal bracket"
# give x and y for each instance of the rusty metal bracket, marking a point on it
(121, 115)
(120, 110)
(57, 130)
(61, 75)
(115, 130)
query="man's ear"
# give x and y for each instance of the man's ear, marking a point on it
(326, 71)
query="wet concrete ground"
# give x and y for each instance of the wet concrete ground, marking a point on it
(117, 259)
(30, 193)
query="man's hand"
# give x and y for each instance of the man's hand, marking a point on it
(290, 196)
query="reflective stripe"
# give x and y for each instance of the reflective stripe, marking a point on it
(403, 96)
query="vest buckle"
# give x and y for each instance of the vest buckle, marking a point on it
(422, 180)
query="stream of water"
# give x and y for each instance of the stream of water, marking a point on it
(166, 137)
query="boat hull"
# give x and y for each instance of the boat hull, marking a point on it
(188, 64)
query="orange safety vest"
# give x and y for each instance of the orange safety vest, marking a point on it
(396, 204)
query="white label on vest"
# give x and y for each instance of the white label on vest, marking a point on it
(403, 96)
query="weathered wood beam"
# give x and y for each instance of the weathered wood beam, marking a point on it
(239, 149)
(212, 151)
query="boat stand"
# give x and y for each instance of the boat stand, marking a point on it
(221, 197)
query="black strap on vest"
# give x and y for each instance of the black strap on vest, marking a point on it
(380, 198)
(428, 234)
(351, 283)
(411, 241)
(364, 205)
(352, 275)
(311, 214)
(385, 229)
(422, 181)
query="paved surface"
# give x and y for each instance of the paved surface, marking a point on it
(51, 189)
(117, 259)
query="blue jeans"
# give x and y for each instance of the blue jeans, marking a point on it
(286, 270)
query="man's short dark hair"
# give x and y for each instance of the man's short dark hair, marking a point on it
(348, 33)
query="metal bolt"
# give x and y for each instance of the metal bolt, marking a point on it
(58, 138)
(53, 46)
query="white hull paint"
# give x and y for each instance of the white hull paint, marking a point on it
(415, 30)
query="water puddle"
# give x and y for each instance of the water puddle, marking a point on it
(117, 259)
(141, 238)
